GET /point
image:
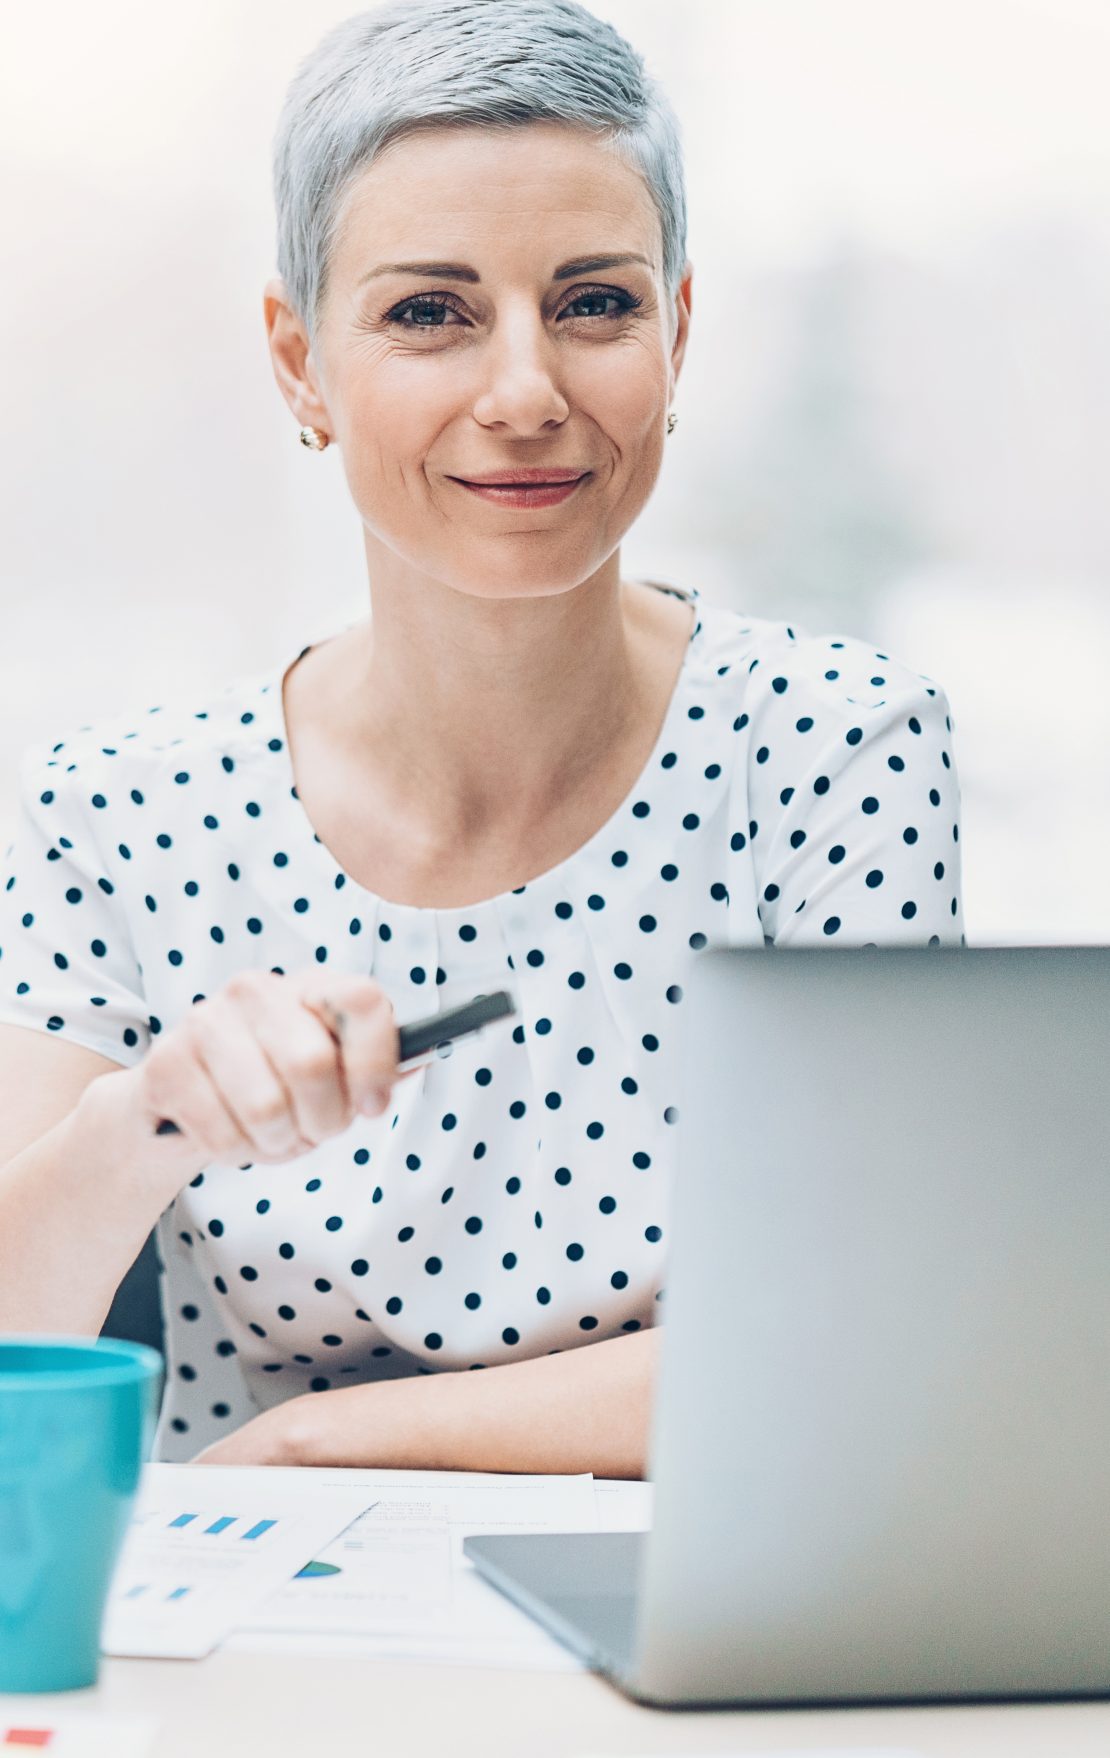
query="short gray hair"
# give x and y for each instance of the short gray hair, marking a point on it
(411, 65)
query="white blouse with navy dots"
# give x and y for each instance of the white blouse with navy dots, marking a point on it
(512, 1199)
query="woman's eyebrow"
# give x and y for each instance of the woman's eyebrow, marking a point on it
(457, 271)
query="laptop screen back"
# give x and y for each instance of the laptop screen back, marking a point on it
(883, 1423)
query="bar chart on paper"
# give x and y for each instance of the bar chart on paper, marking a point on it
(200, 1564)
(189, 1573)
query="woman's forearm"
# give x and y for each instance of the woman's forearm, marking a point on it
(75, 1208)
(584, 1409)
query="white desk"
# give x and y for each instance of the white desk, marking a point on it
(234, 1704)
(237, 1705)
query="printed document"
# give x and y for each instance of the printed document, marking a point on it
(205, 1544)
(397, 1585)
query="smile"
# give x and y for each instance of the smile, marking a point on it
(519, 494)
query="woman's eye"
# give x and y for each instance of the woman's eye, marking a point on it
(421, 309)
(624, 302)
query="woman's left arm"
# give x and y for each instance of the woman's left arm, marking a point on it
(583, 1409)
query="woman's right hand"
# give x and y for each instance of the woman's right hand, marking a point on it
(255, 1074)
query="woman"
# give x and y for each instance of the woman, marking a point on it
(522, 767)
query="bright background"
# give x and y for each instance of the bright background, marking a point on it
(894, 411)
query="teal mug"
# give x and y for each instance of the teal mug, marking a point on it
(77, 1419)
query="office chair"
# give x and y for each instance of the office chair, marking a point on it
(135, 1314)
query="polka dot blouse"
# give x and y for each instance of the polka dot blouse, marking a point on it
(512, 1199)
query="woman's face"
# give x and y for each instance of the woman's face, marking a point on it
(515, 346)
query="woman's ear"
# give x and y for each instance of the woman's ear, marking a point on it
(681, 321)
(291, 356)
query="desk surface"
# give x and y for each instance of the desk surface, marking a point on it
(237, 1705)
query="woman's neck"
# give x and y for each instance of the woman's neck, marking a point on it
(482, 720)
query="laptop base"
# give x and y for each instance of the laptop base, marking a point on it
(579, 1586)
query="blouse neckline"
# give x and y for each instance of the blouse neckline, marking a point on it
(272, 723)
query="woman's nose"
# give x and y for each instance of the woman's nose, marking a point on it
(521, 377)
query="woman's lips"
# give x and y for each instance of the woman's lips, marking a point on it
(518, 494)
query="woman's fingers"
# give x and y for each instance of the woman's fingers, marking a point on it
(272, 1065)
(180, 1080)
(247, 1084)
(359, 1016)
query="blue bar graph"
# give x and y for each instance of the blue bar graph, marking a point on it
(262, 1526)
(219, 1525)
(178, 1593)
(183, 1520)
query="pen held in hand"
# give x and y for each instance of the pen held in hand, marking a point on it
(425, 1040)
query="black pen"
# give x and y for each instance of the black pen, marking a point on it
(423, 1040)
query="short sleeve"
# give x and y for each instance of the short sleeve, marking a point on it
(66, 961)
(856, 799)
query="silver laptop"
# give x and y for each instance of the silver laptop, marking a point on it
(881, 1442)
